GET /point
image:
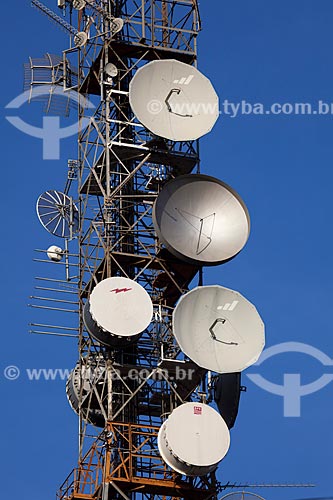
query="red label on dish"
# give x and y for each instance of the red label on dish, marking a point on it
(197, 410)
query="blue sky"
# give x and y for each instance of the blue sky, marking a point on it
(259, 52)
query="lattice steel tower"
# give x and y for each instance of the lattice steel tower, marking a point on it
(126, 383)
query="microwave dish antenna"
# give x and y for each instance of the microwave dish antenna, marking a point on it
(218, 329)
(201, 220)
(194, 439)
(174, 100)
(58, 214)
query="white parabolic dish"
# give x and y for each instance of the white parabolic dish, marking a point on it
(242, 495)
(201, 219)
(218, 329)
(111, 70)
(121, 306)
(80, 39)
(174, 100)
(79, 4)
(194, 439)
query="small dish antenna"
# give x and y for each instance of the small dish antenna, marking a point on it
(101, 335)
(121, 307)
(58, 214)
(174, 100)
(218, 329)
(79, 4)
(111, 70)
(117, 25)
(80, 39)
(55, 253)
(241, 495)
(194, 439)
(82, 385)
(200, 219)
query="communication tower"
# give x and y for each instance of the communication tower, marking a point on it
(137, 222)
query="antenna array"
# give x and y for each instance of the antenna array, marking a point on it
(138, 222)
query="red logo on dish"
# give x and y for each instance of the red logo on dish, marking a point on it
(197, 410)
(118, 290)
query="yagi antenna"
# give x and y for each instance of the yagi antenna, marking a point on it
(270, 485)
(57, 19)
(80, 37)
(318, 498)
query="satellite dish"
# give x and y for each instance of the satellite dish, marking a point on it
(58, 214)
(80, 388)
(201, 220)
(242, 495)
(111, 70)
(218, 329)
(102, 336)
(117, 25)
(174, 100)
(80, 39)
(55, 253)
(194, 439)
(121, 307)
(79, 4)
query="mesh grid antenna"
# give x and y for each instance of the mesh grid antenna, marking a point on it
(58, 214)
(44, 79)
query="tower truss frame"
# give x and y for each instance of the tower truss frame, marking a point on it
(120, 170)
